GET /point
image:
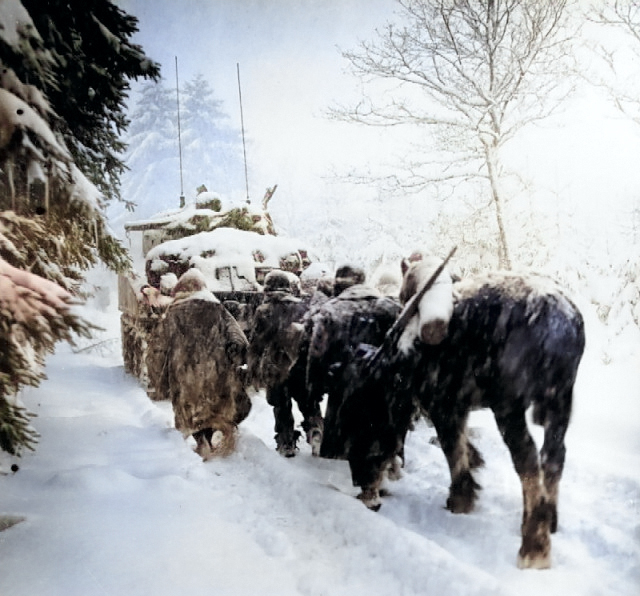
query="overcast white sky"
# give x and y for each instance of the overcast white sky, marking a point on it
(292, 70)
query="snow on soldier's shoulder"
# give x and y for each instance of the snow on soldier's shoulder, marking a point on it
(359, 292)
(387, 279)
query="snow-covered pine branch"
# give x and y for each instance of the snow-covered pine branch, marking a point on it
(34, 314)
(52, 224)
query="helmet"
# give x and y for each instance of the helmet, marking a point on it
(192, 280)
(277, 280)
(347, 276)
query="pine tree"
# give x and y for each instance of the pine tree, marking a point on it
(152, 157)
(211, 147)
(94, 60)
(60, 111)
(34, 315)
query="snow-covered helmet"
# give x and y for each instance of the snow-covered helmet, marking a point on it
(277, 281)
(192, 280)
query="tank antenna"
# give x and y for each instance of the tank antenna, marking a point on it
(182, 201)
(244, 147)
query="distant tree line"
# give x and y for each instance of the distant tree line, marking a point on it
(211, 146)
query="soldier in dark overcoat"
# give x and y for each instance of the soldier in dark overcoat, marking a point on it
(357, 318)
(276, 360)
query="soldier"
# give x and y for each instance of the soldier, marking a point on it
(356, 317)
(203, 352)
(277, 358)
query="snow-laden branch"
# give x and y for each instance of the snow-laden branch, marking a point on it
(622, 16)
(25, 296)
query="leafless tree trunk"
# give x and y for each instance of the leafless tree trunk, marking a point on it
(491, 158)
(472, 72)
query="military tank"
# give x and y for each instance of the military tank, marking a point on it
(234, 248)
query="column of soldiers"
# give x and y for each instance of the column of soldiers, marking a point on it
(301, 346)
(302, 349)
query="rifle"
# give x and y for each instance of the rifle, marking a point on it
(411, 308)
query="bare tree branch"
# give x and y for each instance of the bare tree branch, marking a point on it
(623, 16)
(473, 73)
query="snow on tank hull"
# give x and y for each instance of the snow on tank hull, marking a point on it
(233, 261)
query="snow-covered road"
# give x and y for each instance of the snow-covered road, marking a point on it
(117, 503)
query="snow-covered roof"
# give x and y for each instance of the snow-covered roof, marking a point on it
(169, 218)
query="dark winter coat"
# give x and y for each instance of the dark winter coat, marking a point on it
(275, 339)
(359, 315)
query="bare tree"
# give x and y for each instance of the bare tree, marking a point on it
(473, 72)
(621, 55)
(622, 13)
(621, 16)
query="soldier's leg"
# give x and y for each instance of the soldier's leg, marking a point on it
(203, 442)
(312, 422)
(286, 437)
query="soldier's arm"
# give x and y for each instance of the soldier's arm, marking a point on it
(317, 364)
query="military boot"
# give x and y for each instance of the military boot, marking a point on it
(315, 429)
(287, 443)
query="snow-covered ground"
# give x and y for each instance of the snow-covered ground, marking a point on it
(117, 503)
